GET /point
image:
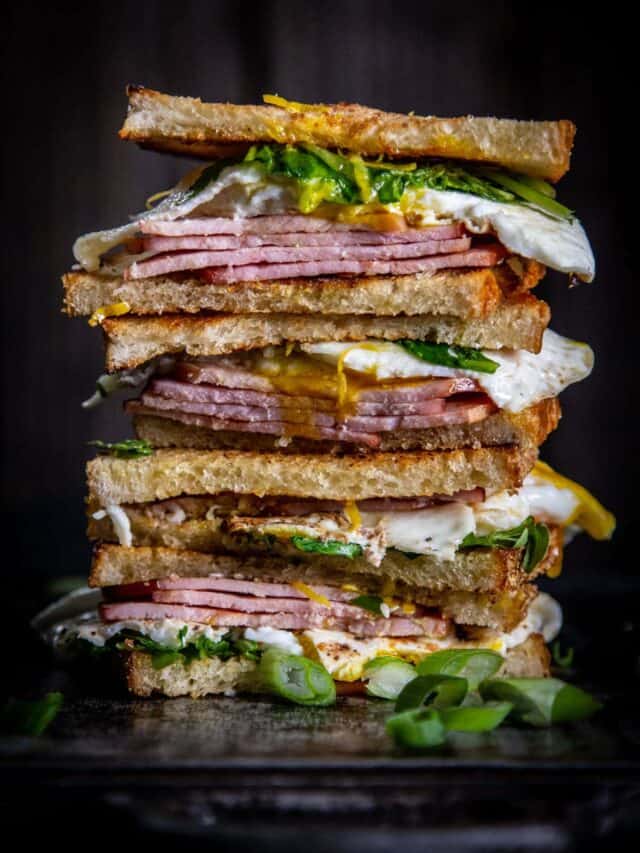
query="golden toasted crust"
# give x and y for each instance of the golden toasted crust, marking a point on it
(528, 428)
(466, 293)
(457, 293)
(169, 473)
(213, 676)
(186, 125)
(131, 341)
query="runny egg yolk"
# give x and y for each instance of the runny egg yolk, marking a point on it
(589, 513)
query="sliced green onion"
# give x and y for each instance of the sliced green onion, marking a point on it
(541, 701)
(473, 664)
(437, 691)
(296, 678)
(387, 676)
(563, 660)
(30, 718)
(417, 729)
(478, 718)
(448, 355)
(538, 184)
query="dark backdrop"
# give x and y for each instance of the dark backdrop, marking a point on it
(65, 69)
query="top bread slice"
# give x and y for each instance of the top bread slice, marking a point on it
(131, 341)
(170, 473)
(188, 126)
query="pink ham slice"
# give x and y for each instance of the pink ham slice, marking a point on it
(229, 374)
(261, 589)
(133, 407)
(377, 421)
(216, 242)
(254, 604)
(485, 256)
(281, 224)
(432, 626)
(306, 249)
(299, 506)
(289, 421)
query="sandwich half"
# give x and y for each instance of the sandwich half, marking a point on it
(340, 560)
(335, 209)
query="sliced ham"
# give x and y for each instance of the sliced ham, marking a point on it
(279, 224)
(401, 626)
(133, 407)
(228, 373)
(262, 589)
(254, 604)
(282, 420)
(217, 271)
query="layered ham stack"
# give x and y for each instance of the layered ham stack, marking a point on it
(340, 382)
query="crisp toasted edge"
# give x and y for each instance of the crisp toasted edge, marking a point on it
(458, 293)
(189, 126)
(169, 473)
(528, 428)
(518, 323)
(530, 659)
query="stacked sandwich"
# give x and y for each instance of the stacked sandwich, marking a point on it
(342, 379)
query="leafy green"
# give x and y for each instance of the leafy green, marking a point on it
(326, 176)
(199, 648)
(21, 717)
(541, 701)
(473, 664)
(329, 546)
(372, 603)
(532, 537)
(463, 358)
(130, 448)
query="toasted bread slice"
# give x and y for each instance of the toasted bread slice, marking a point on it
(188, 126)
(200, 678)
(198, 547)
(528, 428)
(457, 293)
(131, 341)
(169, 473)
(428, 581)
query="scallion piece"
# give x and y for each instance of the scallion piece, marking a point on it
(296, 678)
(387, 676)
(475, 665)
(541, 701)
(475, 718)
(417, 729)
(527, 192)
(437, 691)
(463, 358)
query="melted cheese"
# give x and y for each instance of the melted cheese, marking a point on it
(521, 379)
(242, 191)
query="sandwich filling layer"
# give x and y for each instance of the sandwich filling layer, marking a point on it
(163, 632)
(287, 212)
(354, 392)
(436, 525)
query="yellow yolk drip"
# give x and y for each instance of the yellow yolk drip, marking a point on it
(353, 514)
(589, 514)
(311, 593)
(116, 309)
(556, 569)
(293, 106)
(349, 587)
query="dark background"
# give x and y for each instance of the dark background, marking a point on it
(65, 68)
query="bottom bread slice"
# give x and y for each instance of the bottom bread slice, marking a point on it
(208, 677)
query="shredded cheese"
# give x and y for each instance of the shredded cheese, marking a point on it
(116, 309)
(311, 593)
